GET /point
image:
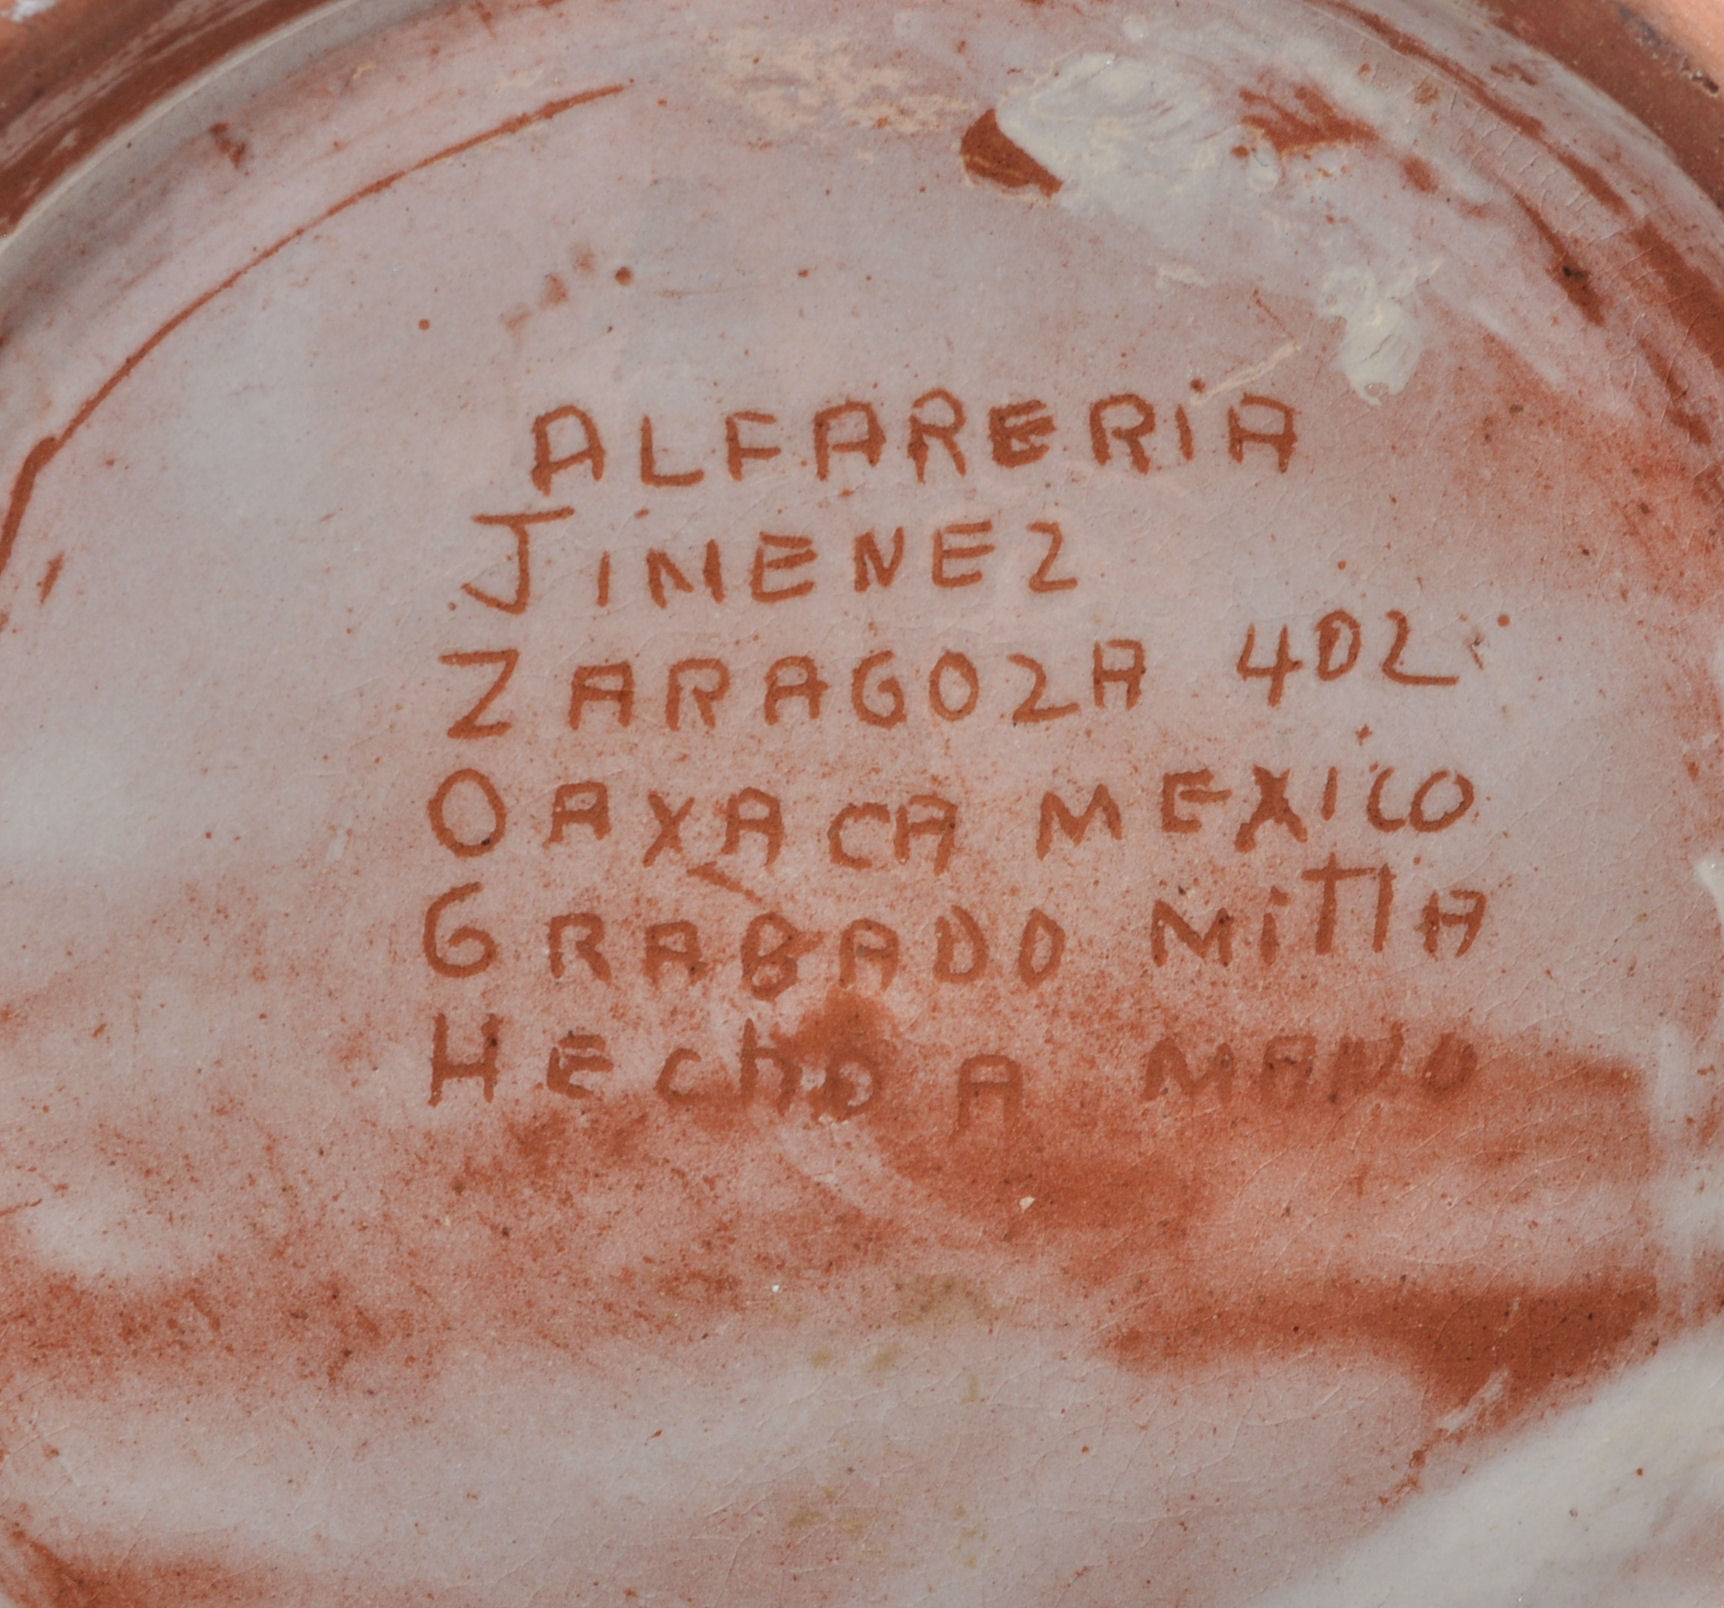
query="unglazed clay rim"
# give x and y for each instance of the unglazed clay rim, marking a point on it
(77, 74)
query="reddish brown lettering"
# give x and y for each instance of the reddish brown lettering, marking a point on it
(793, 677)
(489, 837)
(587, 932)
(1016, 432)
(1273, 809)
(651, 474)
(1164, 919)
(927, 815)
(894, 712)
(661, 567)
(1129, 433)
(842, 1094)
(706, 692)
(756, 813)
(870, 443)
(774, 555)
(521, 525)
(872, 567)
(771, 955)
(1129, 675)
(1469, 918)
(666, 1085)
(1279, 435)
(738, 452)
(480, 945)
(1275, 674)
(1040, 949)
(1167, 1060)
(548, 463)
(1289, 1063)
(576, 1055)
(1032, 710)
(1338, 633)
(1330, 875)
(446, 1069)
(599, 684)
(668, 823)
(951, 663)
(1355, 1071)
(676, 945)
(472, 724)
(1188, 787)
(754, 1055)
(871, 942)
(947, 938)
(585, 804)
(1287, 1071)
(1385, 904)
(1392, 664)
(924, 430)
(1424, 822)
(1269, 933)
(1187, 440)
(844, 856)
(1054, 813)
(1044, 579)
(994, 1077)
(947, 553)
(1374, 804)
(1449, 1067)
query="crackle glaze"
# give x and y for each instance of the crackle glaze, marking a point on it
(844, 804)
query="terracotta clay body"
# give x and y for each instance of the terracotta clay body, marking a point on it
(856, 805)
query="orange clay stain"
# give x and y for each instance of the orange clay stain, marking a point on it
(1681, 286)
(990, 156)
(1181, 1198)
(34, 1576)
(229, 144)
(849, 1030)
(96, 65)
(1285, 1214)
(1306, 122)
(1566, 271)
(1420, 174)
(1411, 48)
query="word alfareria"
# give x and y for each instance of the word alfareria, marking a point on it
(1123, 429)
